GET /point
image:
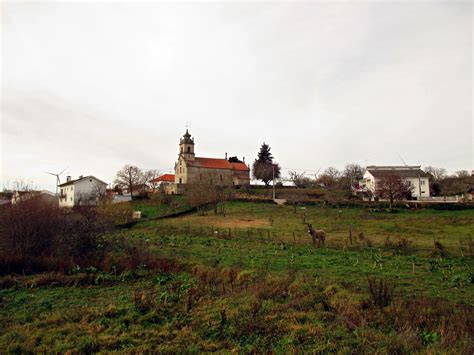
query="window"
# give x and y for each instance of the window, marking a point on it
(71, 198)
(62, 191)
(210, 182)
(189, 149)
(180, 180)
(422, 182)
(221, 178)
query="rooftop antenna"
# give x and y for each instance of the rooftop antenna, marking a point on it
(403, 161)
(188, 125)
(58, 181)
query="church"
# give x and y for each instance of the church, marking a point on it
(192, 170)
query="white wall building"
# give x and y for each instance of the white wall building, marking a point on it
(83, 191)
(418, 179)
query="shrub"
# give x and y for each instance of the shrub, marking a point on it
(401, 244)
(38, 236)
(380, 290)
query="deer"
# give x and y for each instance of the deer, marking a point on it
(318, 236)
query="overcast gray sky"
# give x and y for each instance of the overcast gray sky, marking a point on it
(93, 86)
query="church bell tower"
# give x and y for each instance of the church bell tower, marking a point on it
(186, 147)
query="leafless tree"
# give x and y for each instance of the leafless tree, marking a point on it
(149, 177)
(129, 177)
(329, 178)
(438, 174)
(393, 188)
(296, 178)
(353, 172)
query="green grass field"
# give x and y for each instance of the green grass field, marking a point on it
(252, 281)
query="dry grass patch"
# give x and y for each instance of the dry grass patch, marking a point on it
(226, 222)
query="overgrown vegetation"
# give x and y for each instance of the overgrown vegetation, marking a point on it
(249, 281)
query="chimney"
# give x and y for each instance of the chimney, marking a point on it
(243, 159)
(226, 156)
(68, 178)
(81, 176)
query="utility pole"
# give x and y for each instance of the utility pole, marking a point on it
(273, 168)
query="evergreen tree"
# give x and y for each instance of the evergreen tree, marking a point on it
(263, 166)
(264, 155)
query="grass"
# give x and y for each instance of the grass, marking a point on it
(252, 281)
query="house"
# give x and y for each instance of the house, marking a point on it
(44, 195)
(86, 190)
(192, 170)
(164, 179)
(418, 179)
(163, 183)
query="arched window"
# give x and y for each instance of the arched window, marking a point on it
(189, 149)
(180, 180)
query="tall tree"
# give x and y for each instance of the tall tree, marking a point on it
(263, 167)
(129, 177)
(393, 188)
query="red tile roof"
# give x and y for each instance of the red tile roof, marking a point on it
(165, 178)
(240, 166)
(242, 175)
(212, 163)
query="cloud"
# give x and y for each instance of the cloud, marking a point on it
(96, 85)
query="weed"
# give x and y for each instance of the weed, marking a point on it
(380, 290)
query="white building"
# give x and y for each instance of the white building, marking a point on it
(83, 191)
(418, 179)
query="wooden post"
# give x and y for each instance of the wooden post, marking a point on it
(294, 237)
(350, 234)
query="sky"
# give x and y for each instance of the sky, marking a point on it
(92, 86)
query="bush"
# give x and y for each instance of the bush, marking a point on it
(380, 290)
(38, 236)
(400, 244)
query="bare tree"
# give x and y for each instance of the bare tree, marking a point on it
(300, 180)
(393, 188)
(129, 177)
(353, 172)
(296, 178)
(438, 174)
(329, 178)
(149, 178)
